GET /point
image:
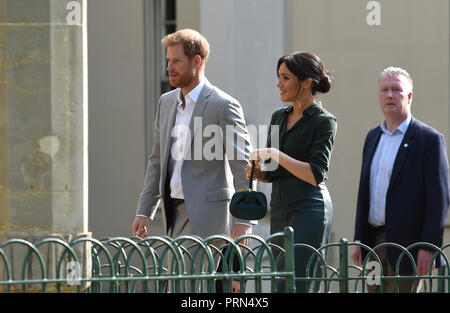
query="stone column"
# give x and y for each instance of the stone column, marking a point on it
(43, 122)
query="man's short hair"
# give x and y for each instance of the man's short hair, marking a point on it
(193, 43)
(396, 71)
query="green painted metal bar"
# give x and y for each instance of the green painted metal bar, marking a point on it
(289, 258)
(126, 265)
(343, 266)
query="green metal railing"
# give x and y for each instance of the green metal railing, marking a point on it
(345, 277)
(191, 264)
(153, 264)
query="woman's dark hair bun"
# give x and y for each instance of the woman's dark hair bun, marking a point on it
(324, 84)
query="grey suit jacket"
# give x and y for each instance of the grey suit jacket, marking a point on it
(207, 183)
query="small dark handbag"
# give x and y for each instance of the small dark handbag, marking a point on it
(248, 204)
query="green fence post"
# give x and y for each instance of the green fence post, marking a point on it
(441, 281)
(289, 258)
(343, 266)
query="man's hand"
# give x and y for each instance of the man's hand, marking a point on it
(356, 256)
(424, 258)
(139, 229)
(236, 286)
(240, 230)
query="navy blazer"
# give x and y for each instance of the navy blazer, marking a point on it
(417, 199)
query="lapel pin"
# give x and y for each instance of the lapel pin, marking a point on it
(405, 145)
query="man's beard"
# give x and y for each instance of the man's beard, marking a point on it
(181, 80)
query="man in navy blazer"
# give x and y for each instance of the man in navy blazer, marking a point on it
(403, 194)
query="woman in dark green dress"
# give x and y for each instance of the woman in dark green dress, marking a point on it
(306, 133)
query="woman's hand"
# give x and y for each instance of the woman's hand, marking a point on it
(248, 170)
(297, 168)
(258, 155)
(264, 154)
(257, 174)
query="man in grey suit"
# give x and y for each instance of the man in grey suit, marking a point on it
(189, 171)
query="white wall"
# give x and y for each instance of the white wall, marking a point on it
(413, 34)
(116, 114)
(247, 37)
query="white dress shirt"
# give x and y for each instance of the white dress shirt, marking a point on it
(381, 170)
(180, 141)
(180, 137)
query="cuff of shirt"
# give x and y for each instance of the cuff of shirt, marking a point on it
(143, 216)
(247, 224)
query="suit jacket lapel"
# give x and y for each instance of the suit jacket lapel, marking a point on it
(371, 148)
(200, 106)
(403, 151)
(171, 115)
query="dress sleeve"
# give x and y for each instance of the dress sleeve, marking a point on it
(322, 147)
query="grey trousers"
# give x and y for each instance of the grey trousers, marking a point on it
(193, 260)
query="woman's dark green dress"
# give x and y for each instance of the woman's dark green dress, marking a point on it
(294, 202)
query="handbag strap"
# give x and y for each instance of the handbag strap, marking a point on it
(251, 176)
